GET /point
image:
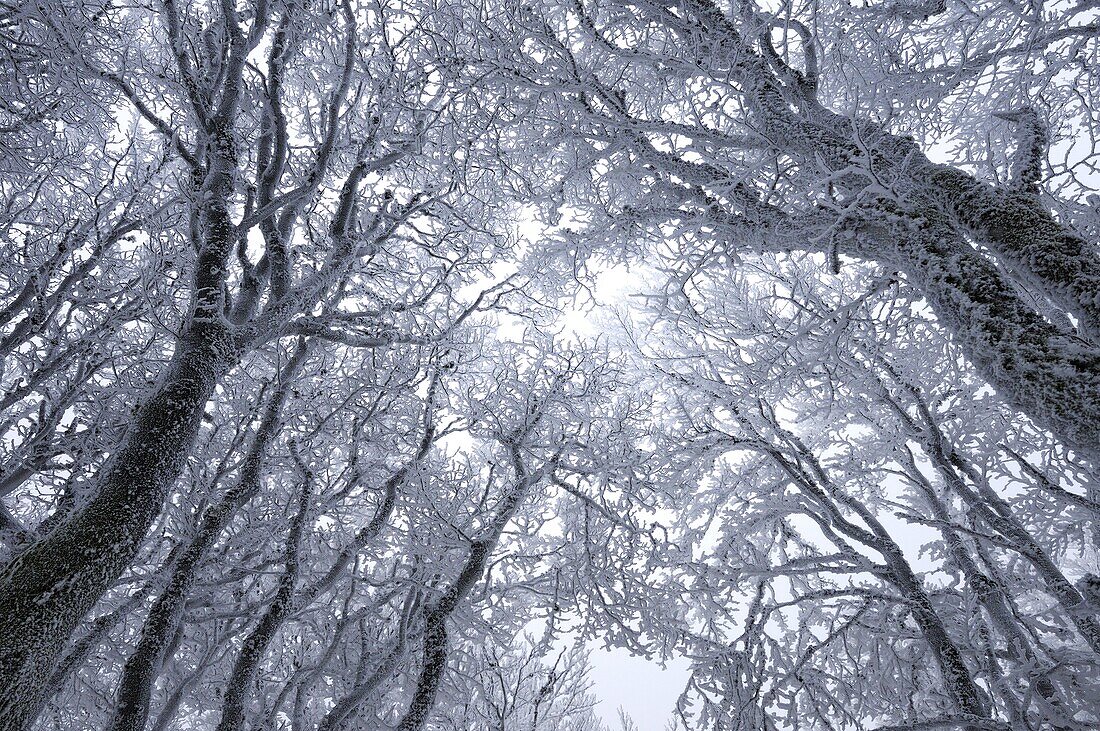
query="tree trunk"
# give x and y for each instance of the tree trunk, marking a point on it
(144, 665)
(52, 585)
(1034, 366)
(239, 687)
(1045, 255)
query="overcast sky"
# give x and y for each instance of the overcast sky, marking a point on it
(641, 687)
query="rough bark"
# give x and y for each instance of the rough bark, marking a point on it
(144, 665)
(1048, 374)
(55, 582)
(239, 688)
(1040, 370)
(433, 665)
(76, 655)
(1048, 256)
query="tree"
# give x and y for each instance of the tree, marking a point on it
(813, 464)
(530, 686)
(722, 132)
(296, 436)
(281, 240)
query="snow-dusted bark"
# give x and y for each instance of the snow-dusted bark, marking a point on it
(776, 167)
(237, 303)
(144, 665)
(1047, 255)
(51, 585)
(870, 314)
(438, 610)
(1048, 374)
(239, 688)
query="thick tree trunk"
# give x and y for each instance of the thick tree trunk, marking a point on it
(433, 666)
(1047, 374)
(52, 585)
(76, 655)
(1044, 372)
(1045, 255)
(143, 667)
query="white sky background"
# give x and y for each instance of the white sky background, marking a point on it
(645, 690)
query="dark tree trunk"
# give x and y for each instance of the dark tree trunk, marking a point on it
(50, 587)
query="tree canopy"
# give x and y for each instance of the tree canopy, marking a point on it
(366, 364)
